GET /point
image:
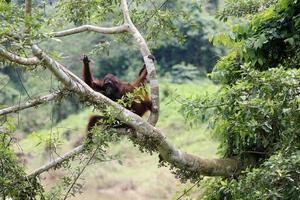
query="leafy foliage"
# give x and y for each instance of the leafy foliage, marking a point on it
(256, 111)
(16, 185)
(14, 22)
(13, 181)
(243, 8)
(277, 178)
(271, 38)
(82, 11)
(260, 112)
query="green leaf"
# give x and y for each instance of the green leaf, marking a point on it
(261, 40)
(260, 61)
(290, 40)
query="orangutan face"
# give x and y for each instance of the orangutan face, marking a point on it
(111, 86)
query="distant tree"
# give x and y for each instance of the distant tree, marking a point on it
(195, 49)
(185, 72)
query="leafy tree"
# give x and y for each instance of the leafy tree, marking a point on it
(184, 72)
(13, 180)
(256, 111)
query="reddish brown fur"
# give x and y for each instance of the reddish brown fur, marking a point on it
(115, 89)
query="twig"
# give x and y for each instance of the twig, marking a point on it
(187, 191)
(21, 82)
(80, 173)
(57, 161)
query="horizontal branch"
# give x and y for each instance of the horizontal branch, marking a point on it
(105, 30)
(176, 158)
(33, 102)
(18, 59)
(207, 167)
(170, 154)
(57, 161)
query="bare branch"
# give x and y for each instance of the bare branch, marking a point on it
(57, 161)
(111, 30)
(33, 102)
(17, 59)
(177, 158)
(148, 59)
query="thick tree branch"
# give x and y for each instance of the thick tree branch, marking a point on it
(177, 158)
(149, 61)
(57, 161)
(62, 73)
(33, 102)
(112, 30)
(17, 59)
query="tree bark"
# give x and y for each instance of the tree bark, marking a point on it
(104, 30)
(18, 59)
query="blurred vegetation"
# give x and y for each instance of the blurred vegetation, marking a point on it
(243, 8)
(280, 170)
